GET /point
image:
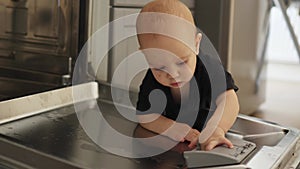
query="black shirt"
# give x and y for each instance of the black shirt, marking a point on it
(200, 103)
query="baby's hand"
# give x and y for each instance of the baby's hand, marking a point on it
(192, 136)
(217, 138)
(183, 132)
(178, 131)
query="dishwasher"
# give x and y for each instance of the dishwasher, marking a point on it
(54, 137)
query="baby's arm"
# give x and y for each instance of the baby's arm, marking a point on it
(229, 106)
(175, 130)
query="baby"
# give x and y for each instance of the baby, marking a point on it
(172, 50)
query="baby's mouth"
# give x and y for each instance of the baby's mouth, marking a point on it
(176, 84)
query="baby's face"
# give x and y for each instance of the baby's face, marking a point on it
(171, 62)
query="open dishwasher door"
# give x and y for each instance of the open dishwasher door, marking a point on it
(55, 139)
(220, 155)
(257, 144)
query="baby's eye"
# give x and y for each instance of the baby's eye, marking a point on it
(182, 63)
(160, 68)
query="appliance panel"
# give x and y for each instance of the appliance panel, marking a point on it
(38, 26)
(48, 17)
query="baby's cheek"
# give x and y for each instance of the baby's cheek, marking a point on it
(187, 73)
(158, 76)
(162, 74)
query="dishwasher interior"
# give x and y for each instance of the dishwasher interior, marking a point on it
(38, 45)
(56, 139)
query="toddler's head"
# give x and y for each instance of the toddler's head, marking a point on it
(168, 38)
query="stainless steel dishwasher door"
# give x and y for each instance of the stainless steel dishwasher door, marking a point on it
(57, 139)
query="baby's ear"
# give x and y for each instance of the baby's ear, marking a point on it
(197, 43)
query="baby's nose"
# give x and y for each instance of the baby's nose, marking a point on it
(173, 73)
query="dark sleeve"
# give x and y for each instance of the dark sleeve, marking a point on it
(143, 103)
(230, 82)
(152, 96)
(214, 71)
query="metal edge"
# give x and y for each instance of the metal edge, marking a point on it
(22, 107)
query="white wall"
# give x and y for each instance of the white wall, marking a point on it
(247, 35)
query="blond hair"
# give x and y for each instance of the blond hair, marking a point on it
(173, 8)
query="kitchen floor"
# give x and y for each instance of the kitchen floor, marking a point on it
(282, 103)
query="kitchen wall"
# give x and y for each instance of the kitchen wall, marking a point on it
(248, 39)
